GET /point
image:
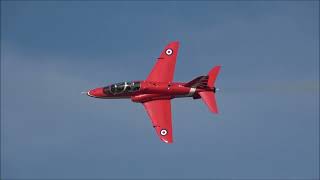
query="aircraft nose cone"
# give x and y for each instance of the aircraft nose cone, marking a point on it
(98, 92)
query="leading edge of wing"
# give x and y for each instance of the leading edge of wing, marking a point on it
(159, 112)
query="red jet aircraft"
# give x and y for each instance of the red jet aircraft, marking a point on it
(158, 89)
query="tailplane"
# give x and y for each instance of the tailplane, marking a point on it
(213, 73)
(210, 100)
(208, 97)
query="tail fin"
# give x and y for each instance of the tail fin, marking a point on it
(209, 97)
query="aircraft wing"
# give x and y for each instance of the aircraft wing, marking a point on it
(163, 71)
(159, 112)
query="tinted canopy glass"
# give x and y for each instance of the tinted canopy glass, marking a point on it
(123, 87)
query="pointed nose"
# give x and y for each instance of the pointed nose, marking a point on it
(98, 92)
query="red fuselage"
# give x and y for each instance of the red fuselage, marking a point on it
(143, 91)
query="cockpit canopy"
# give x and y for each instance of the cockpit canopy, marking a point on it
(123, 87)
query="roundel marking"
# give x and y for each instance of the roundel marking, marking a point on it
(169, 52)
(163, 132)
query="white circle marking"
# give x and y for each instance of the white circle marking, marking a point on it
(163, 132)
(169, 52)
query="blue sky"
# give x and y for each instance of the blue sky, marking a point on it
(269, 99)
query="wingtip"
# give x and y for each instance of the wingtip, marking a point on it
(174, 42)
(166, 141)
(215, 112)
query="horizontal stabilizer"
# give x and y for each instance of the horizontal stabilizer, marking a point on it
(213, 73)
(210, 100)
